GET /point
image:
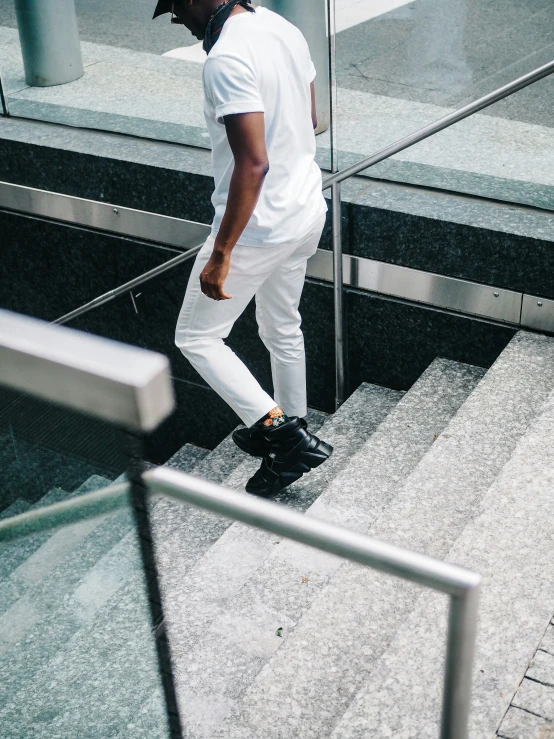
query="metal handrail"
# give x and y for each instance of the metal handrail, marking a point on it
(461, 585)
(128, 286)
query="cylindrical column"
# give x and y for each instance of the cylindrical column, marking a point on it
(310, 16)
(49, 41)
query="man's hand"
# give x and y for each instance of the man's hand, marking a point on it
(214, 274)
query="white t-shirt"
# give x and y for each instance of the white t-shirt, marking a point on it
(261, 63)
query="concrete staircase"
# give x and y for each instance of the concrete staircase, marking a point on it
(271, 639)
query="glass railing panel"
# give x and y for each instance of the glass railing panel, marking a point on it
(400, 66)
(50, 453)
(78, 650)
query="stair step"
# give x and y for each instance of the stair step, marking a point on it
(17, 507)
(188, 457)
(520, 724)
(534, 697)
(182, 533)
(89, 687)
(306, 592)
(53, 548)
(70, 600)
(492, 473)
(197, 605)
(12, 555)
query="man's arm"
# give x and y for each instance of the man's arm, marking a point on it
(314, 109)
(246, 134)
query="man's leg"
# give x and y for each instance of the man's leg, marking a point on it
(204, 323)
(279, 324)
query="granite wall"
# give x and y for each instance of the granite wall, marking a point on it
(49, 269)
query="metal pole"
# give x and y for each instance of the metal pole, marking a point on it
(462, 626)
(128, 286)
(338, 280)
(442, 123)
(5, 110)
(309, 17)
(49, 41)
(332, 47)
(338, 297)
(139, 501)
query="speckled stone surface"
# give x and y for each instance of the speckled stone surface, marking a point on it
(17, 507)
(100, 667)
(187, 458)
(294, 579)
(102, 577)
(34, 646)
(547, 643)
(221, 633)
(536, 698)
(508, 539)
(427, 514)
(542, 668)
(183, 534)
(145, 95)
(520, 724)
(25, 604)
(14, 554)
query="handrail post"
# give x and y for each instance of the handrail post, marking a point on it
(458, 673)
(338, 297)
(338, 281)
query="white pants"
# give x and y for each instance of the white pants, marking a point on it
(275, 275)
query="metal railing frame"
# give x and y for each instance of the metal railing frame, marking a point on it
(461, 585)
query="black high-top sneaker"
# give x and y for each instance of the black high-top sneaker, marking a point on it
(293, 452)
(251, 441)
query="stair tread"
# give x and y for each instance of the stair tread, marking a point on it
(113, 656)
(462, 486)
(519, 724)
(90, 578)
(308, 588)
(199, 601)
(536, 698)
(183, 533)
(15, 554)
(17, 507)
(188, 457)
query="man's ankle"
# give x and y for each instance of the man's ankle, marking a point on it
(276, 417)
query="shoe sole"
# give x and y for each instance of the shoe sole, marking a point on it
(309, 460)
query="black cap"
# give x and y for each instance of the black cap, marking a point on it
(163, 6)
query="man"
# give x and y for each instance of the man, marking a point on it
(269, 215)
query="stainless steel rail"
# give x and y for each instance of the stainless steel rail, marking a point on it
(461, 585)
(122, 384)
(336, 178)
(128, 286)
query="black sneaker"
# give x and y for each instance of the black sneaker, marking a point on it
(293, 452)
(251, 441)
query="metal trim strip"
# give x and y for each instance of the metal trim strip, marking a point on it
(103, 216)
(426, 288)
(537, 313)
